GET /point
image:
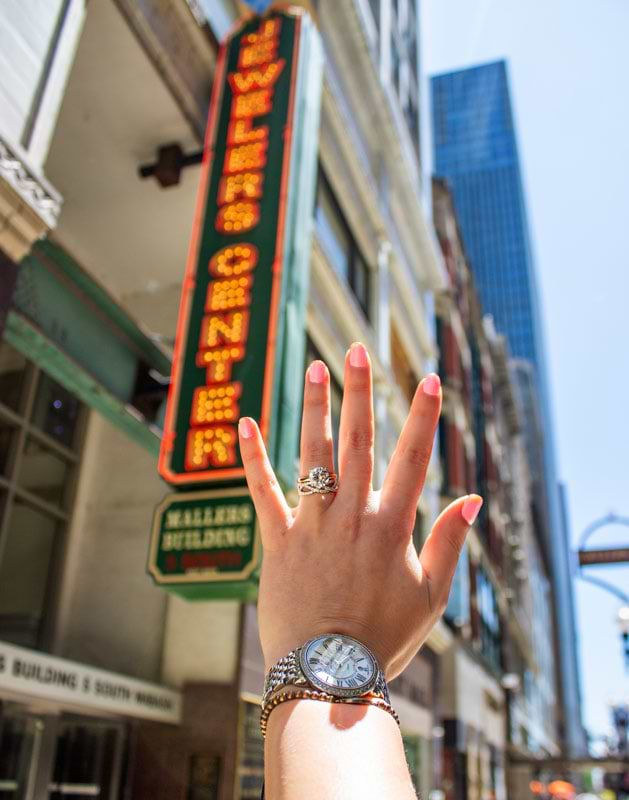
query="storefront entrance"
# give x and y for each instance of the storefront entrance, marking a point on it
(59, 757)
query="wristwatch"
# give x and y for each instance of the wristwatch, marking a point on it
(333, 664)
(332, 667)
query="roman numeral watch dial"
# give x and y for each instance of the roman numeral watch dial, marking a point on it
(339, 665)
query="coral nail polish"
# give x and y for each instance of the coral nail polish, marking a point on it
(432, 384)
(358, 355)
(316, 373)
(246, 428)
(471, 507)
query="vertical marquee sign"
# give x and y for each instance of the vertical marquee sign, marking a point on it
(241, 328)
(226, 348)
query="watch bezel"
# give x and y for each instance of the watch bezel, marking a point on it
(338, 691)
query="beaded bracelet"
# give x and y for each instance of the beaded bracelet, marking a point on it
(314, 694)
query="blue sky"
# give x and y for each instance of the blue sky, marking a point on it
(569, 64)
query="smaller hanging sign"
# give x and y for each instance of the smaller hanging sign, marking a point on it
(206, 544)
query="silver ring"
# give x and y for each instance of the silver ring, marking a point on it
(318, 481)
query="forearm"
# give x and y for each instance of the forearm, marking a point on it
(338, 751)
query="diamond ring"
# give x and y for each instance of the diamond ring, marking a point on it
(318, 481)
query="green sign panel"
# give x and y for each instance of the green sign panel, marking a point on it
(226, 362)
(206, 544)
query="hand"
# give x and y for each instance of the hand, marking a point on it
(345, 562)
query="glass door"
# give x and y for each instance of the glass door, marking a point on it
(20, 736)
(88, 761)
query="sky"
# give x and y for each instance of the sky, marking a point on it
(569, 66)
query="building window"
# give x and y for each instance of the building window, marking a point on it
(39, 424)
(401, 366)
(340, 246)
(375, 10)
(405, 63)
(420, 534)
(489, 619)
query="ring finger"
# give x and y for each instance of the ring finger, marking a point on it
(316, 447)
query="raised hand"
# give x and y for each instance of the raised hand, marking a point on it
(345, 562)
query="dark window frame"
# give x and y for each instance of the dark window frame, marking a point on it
(356, 258)
(14, 493)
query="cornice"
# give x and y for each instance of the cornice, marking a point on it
(31, 186)
(29, 206)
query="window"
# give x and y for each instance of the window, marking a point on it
(375, 10)
(405, 63)
(340, 246)
(401, 366)
(489, 619)
(39, 423)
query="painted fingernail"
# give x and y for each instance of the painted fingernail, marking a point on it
(471, 507)
(246, 427)
(432, 384)
(316, 372)
(358, 355)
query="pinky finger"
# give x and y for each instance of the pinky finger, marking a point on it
(440, 553)
(272, 509)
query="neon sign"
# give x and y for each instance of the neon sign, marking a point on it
(224, 359)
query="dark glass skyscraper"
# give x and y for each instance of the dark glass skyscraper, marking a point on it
(475, 149)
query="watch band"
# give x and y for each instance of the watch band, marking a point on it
(314, 694)
(288, 672)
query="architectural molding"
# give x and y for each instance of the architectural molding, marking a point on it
(29, 206)
(181, 49)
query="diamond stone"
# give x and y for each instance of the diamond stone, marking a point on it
(318, 477)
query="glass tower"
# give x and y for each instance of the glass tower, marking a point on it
(475, 149)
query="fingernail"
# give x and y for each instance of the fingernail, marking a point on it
(471, 507)
(432, 384)
(316, 372)
(246, 427)
(358, 355)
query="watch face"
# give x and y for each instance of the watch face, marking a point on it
(339, 665)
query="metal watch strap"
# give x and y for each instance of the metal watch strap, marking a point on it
(287, 672)
(284, 672)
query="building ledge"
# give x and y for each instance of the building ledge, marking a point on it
(29, 206)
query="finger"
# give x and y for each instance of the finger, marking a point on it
(316, 447)
(356, 431)
(440, 553)
(272, 509)
(406, 473)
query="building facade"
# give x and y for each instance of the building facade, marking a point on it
(498, 690)
(109, 686)
(475, 148)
